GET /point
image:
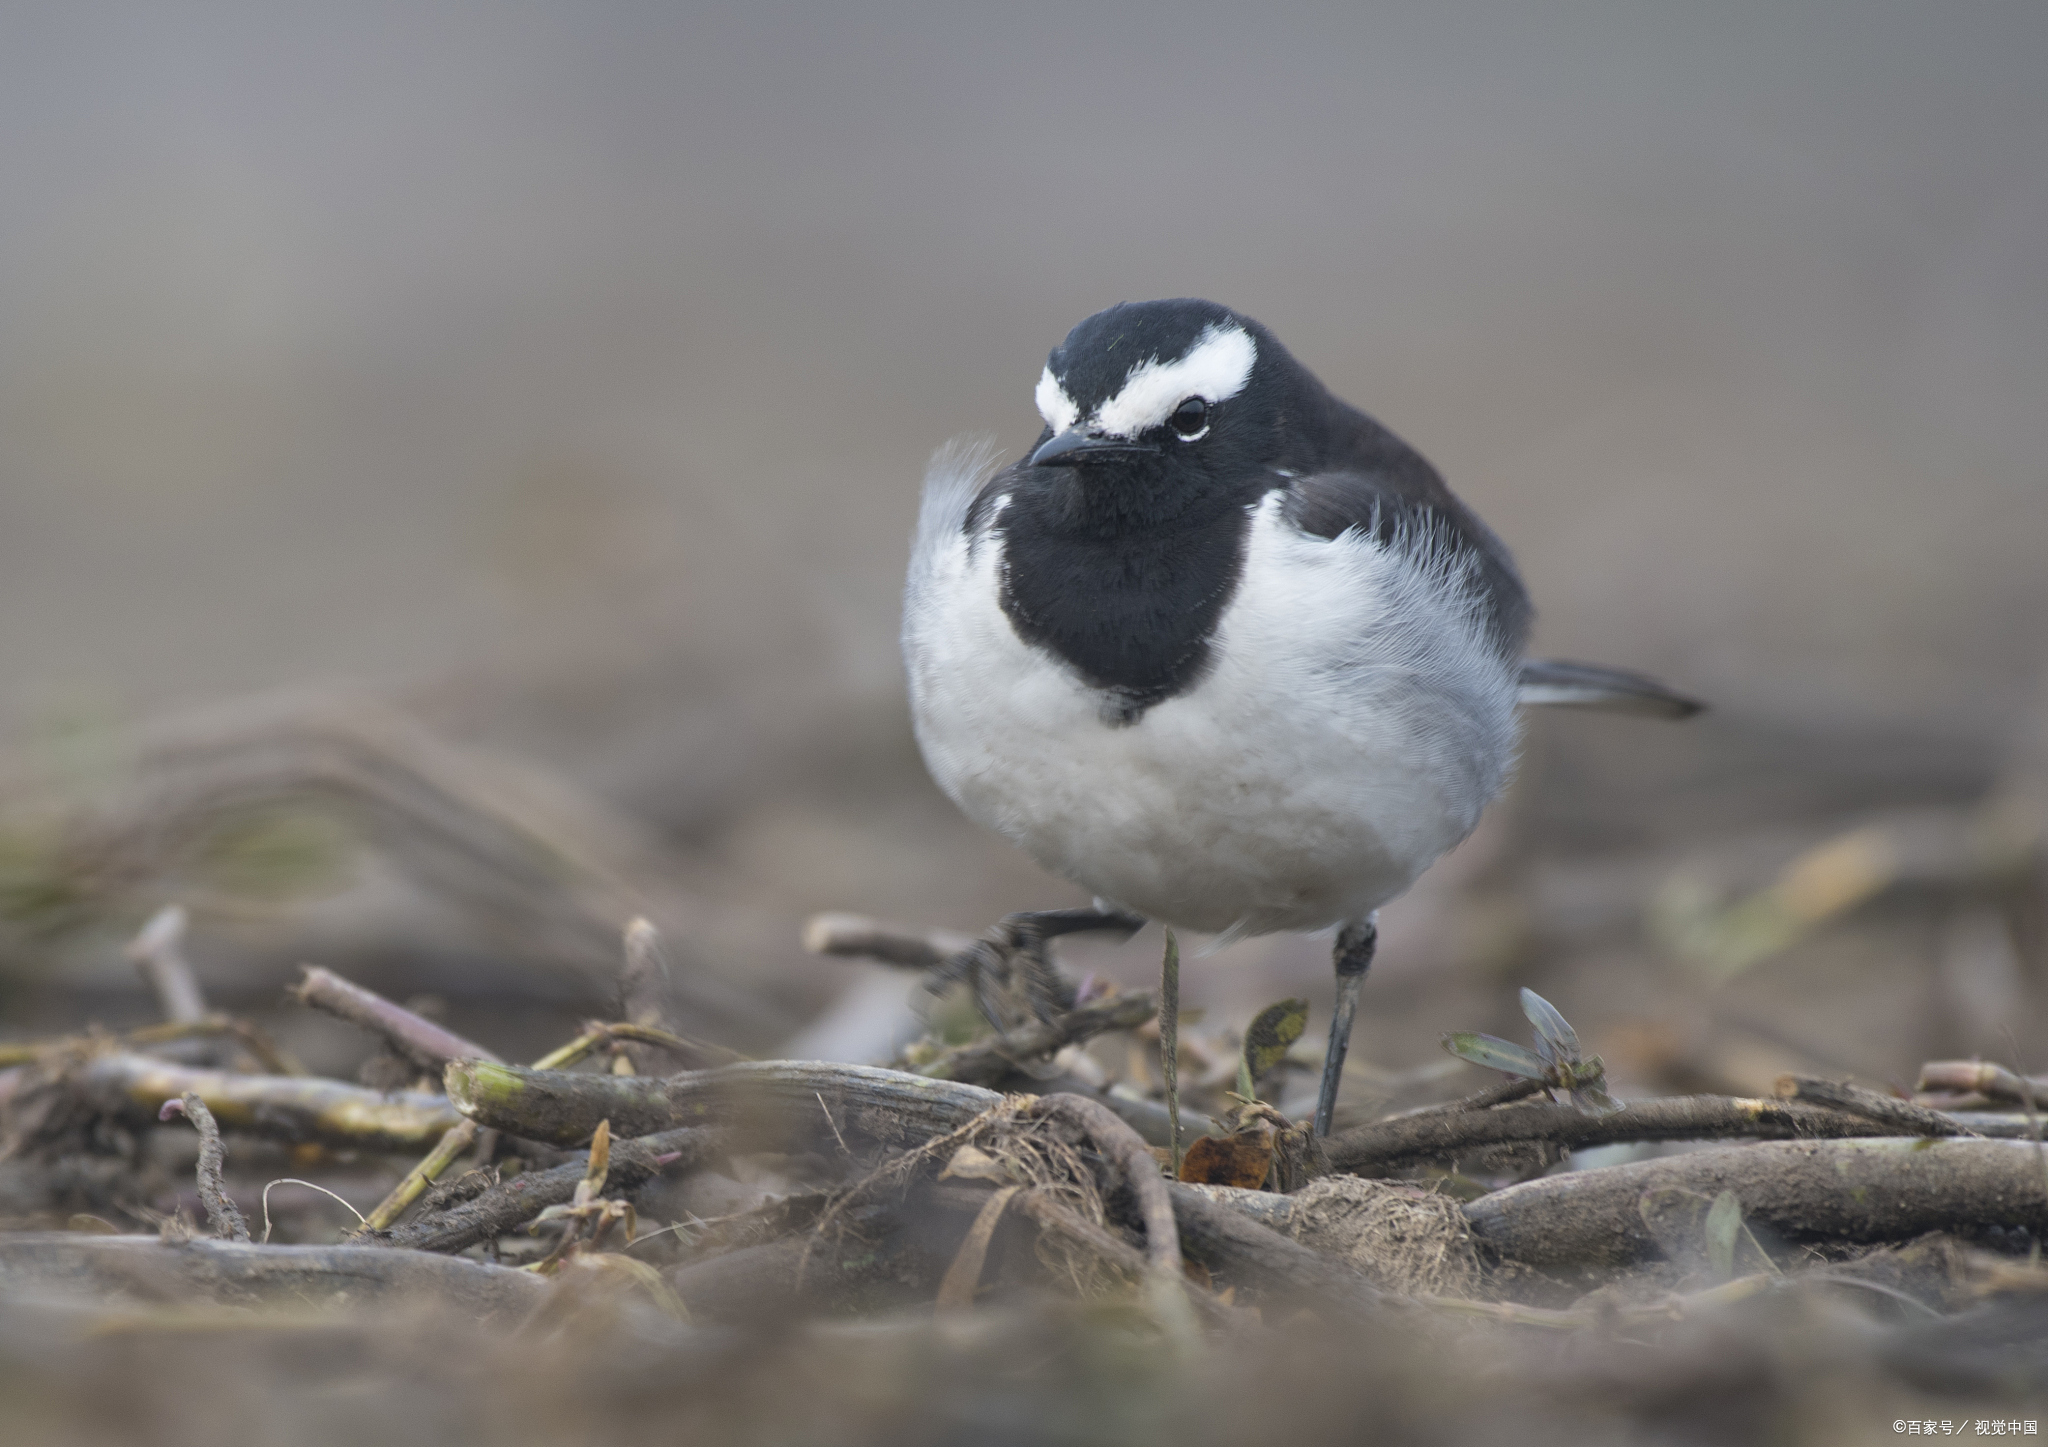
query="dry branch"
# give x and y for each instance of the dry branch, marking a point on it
(222, 1215)
(460, 1136)
(1882, 1189)
(1238, 1251)
(1506, 1092)
(1123, 1149)
(294, 1108)
(855, 936)
(157, 957)
(1407, 1140)
(1896, 1115)
(693, 1054)
(144, 1268)
(418, 1039)
(557, 1107)
(511, 1204)
(643, 988)
(262, 1049)
(991, 1061)
(1985, 1078)
(1147, 1117)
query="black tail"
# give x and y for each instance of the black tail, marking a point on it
(1555, 683)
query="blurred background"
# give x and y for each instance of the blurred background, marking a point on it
(552, 384)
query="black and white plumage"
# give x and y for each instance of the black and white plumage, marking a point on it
(1220, 648)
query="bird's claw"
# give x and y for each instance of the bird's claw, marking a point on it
(1011, 971)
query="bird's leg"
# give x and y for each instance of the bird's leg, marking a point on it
(1013, 959)
(1352, 957)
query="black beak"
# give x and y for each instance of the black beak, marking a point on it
(1073, 448)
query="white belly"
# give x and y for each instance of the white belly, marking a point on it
(1327, 758)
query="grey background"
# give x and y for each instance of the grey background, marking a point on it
(566, 371)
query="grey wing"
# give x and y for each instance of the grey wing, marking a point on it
(1556, 683)
(1392, 494)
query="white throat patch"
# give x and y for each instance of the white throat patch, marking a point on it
(1215, 369)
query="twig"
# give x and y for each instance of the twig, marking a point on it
(293, 1108)
(643, 986)
(694, 1054)
(1404, 1140)
(462, 1134)
(1146, 1117)
(447, 1150)
(644, 975)
(1506, 1092)
(260, 1046)
(989, 1061)
(512, 1203)
(1980, 1077)
(222, 1215)
(556, 1107)
(1883, 1189)
(158, 958)
(855, 936)
(1132, 1158)
(1169, 1046)
(1268, 1208)
(234, 1273)
(418, 1039)
(1122, 1147)
(1260, 1262)
(1898, 1115)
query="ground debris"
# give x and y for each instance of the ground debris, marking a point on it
(983, 1238)
(1398, 1237)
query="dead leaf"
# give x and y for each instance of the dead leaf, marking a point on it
(1233, 1160)
(975, 1164)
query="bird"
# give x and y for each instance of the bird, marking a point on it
(1220, 648)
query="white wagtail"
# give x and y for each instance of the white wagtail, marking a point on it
(1220, 648)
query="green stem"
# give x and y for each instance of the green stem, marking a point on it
(461, 1136)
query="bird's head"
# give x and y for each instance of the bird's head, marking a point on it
(1172, 402)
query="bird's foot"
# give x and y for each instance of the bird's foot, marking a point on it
(1011, 970)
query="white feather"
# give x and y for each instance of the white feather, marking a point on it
(1058, 409)
(1215, 369)
(1352, 726)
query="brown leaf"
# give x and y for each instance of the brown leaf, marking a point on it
(1235, 1160)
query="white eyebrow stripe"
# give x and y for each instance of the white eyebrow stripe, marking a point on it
(1215, 368)
(1058, 409)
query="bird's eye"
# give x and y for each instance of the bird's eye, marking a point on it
(1191, 418)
